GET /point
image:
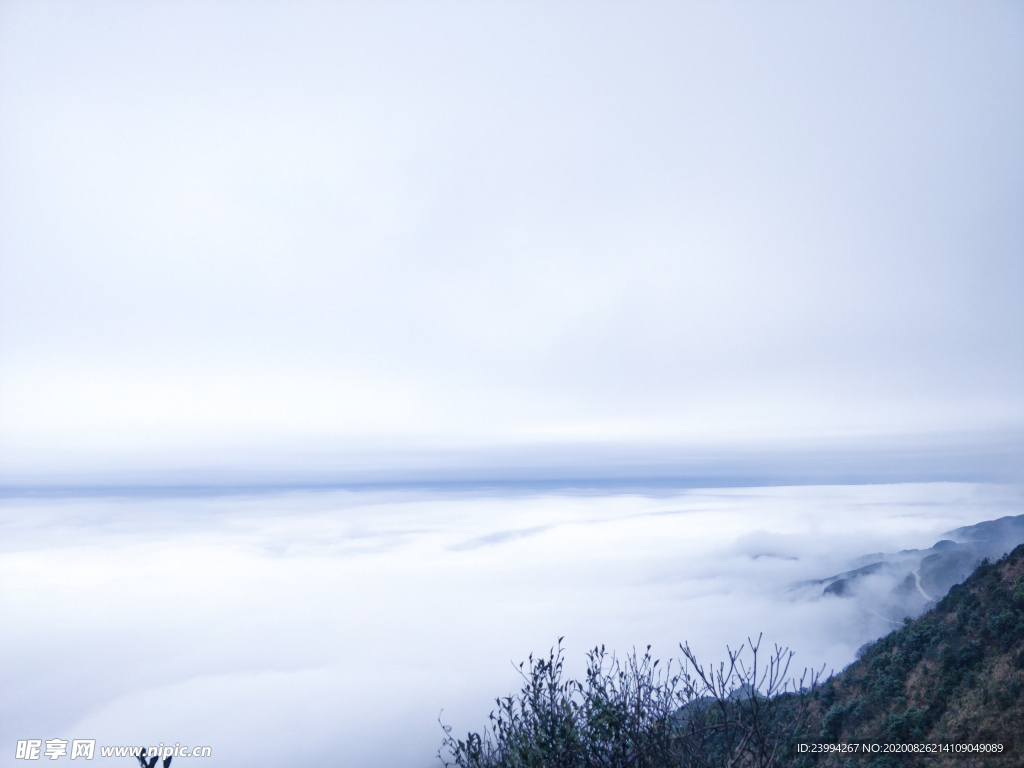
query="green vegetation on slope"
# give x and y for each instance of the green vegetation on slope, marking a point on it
(953, 676)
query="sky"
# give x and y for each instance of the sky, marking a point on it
(347, 234)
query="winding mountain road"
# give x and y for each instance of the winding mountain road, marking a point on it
(917, 580)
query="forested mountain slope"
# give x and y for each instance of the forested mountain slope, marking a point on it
(953, 676)
(946, 689)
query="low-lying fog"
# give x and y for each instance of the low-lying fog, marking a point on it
(297, 628)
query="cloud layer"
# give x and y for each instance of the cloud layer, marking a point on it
(293, 628)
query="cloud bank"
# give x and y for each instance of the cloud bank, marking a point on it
(294, 628)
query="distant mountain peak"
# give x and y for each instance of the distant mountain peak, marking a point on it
(909, 582)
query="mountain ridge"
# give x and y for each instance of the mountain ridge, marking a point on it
(953, 677)
(911, 581)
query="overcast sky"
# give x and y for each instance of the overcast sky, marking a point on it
(449, 224)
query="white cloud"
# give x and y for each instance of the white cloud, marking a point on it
(306, 624)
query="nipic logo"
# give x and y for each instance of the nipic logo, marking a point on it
(29, 749)
(53, 749)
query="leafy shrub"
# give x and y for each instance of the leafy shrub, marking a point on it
(630, 714)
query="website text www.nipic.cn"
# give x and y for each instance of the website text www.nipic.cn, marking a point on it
(54, 749)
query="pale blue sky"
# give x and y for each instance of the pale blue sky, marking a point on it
(406, 227)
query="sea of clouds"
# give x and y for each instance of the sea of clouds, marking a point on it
(332, 627)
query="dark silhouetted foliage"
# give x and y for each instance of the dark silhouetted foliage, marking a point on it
(632, 714)
(953, 676)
